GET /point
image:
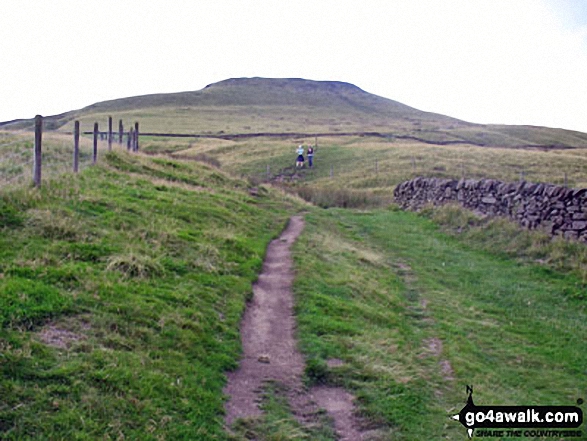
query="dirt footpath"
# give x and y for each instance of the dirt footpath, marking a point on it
(267, 331)
(270, 348)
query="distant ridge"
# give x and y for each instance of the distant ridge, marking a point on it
(295, 105)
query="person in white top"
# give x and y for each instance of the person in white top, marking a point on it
(300, 160)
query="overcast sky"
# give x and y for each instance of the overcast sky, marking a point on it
(485, 61)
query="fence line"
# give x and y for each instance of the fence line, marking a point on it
(40, 163)
(76, 147)
(373, 167)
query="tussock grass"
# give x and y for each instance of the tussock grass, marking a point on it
(202, 157)
(344, 198)
(353, 163)
(136, 264)
(56, 225)
(9, 214)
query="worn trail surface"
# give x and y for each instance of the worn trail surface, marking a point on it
(267, 330)
(270, 349)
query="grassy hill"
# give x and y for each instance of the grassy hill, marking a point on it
(251, 105)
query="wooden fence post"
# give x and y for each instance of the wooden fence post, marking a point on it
(120, 131)
(566, 180)
(136, 136)
(130, 139)
(95, 157)
(76, 147)
(38, 142)
(268, 171)
(109, 133)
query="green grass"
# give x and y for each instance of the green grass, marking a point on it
(278, 423)
(351, 172)
(502, 236)
(121, 292)
(141, 267)
(379, 290)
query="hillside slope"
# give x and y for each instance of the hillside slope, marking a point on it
(121, 292)
(252, 105)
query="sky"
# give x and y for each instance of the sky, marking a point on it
(483, 61)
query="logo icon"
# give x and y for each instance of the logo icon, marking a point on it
(474, 417)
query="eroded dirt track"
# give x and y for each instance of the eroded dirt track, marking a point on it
(270, 349)
(267, 331)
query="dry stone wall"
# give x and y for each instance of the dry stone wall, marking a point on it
(558, 210)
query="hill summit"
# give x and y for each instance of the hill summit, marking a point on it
(296, 93)
(300, 92)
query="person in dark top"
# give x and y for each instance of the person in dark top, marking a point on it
(310, 154)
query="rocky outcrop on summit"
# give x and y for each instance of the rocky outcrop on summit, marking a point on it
(558, 210)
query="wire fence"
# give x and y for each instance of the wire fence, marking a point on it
(25, 159)
(17, 167)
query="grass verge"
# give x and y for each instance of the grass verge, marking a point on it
(504, 237)
(415, 315)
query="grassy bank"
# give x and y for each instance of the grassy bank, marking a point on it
(415, 314)
(121, 292)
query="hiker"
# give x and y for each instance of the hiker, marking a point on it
(300, 160)
(310, 156)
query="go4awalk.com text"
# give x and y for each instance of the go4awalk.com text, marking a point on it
(520, 421)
